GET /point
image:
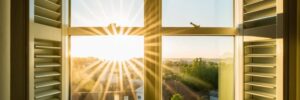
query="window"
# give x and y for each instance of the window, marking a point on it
(107, 67)
(96, 13)
(197, 67)
(127, 17)
(206, 13)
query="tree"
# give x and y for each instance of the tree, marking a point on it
(177, 96)
(203, 70)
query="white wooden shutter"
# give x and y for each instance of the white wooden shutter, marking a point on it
(262, 53)
(46, 50)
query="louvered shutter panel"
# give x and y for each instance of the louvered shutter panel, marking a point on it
(262, 52)
(46, 50)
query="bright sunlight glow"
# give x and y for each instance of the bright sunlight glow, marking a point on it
(113, 47)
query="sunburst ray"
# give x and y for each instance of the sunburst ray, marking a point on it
(127, 73)
(108, 83)
(90, 75)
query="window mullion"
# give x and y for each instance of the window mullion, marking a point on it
(152, 60)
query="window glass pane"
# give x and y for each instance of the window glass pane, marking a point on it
(198, 67)
(206, 13)
(93, 13)
(107, 68)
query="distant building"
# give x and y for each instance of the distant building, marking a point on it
(213, 95)
(140, 93)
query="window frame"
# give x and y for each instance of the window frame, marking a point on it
(153, 32)
(169, 31)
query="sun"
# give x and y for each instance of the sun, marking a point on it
(122, 47)
(112, 47)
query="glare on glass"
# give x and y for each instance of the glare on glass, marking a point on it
(107, 67)
(101, 13)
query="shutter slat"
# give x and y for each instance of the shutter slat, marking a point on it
(47, 93)
(46, 83)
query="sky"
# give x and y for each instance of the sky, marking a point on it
(197, 46)
(178, 13)
(175, 13)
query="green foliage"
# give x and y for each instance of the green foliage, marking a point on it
(177, 96)
(202, 70)
(206, 71)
